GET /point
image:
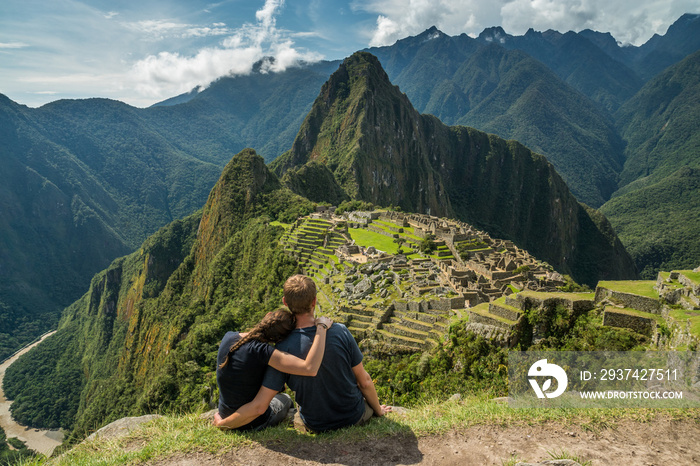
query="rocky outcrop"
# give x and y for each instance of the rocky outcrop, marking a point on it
(121, 427)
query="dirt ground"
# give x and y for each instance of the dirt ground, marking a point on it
(659, 442)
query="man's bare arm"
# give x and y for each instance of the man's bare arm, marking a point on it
(364, 381)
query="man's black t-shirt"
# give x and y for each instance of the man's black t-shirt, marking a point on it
(332, 399)
(240, 380)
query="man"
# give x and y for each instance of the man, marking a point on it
(340, 395)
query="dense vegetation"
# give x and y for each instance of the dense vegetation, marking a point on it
(470, 365)
(660, 223)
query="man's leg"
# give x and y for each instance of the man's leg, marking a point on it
(279, 406)
(366, 416)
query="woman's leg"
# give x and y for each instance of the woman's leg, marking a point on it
(279, 406)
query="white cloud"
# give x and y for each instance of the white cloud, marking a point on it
(629, 21)
(397, 19)
(266, 15)
(170, 73)
(162, 29)
(111, 14)
(157, 29)
(13, 45)
(166, 73)
(205, 31)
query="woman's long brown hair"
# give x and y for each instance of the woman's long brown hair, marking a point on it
(273, 328)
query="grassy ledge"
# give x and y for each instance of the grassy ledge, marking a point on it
(189, 433)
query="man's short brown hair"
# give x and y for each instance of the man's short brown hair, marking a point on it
(299, 294)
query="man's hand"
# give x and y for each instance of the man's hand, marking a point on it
(385, 409)
(327, 321)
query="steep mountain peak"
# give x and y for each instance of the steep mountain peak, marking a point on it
(340, 104)
(431, 33)
(354, 127)
(494, 34)
(361, 64)
(233, 199)
(551, 34)
(604, 40)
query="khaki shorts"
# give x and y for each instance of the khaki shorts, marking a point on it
(369, 412)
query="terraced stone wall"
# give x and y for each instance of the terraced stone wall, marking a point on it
(634, 301)
(613, 317)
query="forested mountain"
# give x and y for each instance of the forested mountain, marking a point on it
(577, 61)
(508, 93)
(261, 110)
(380, 149)
(657, 209)
(81, 183)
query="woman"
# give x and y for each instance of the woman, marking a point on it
(243, 359)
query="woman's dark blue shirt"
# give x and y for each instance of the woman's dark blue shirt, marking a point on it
(240, 380)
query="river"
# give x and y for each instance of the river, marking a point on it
(43, 441)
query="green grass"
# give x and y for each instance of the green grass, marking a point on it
(638, 287)
(565, 295)
(440, 258)
(385, 223)
(636, 313)
(277, 223)
(189, 434)
(690, 275)
(368, 238)
(682, 315)
(565, 455)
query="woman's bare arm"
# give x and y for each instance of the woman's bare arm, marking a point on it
(285, 362)
(248, 412)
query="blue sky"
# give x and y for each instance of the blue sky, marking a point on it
(141, 52)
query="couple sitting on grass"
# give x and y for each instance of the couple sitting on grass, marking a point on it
(319, 360)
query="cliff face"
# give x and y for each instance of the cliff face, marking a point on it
(379, 149)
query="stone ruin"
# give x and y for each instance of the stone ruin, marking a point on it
(407, 303)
